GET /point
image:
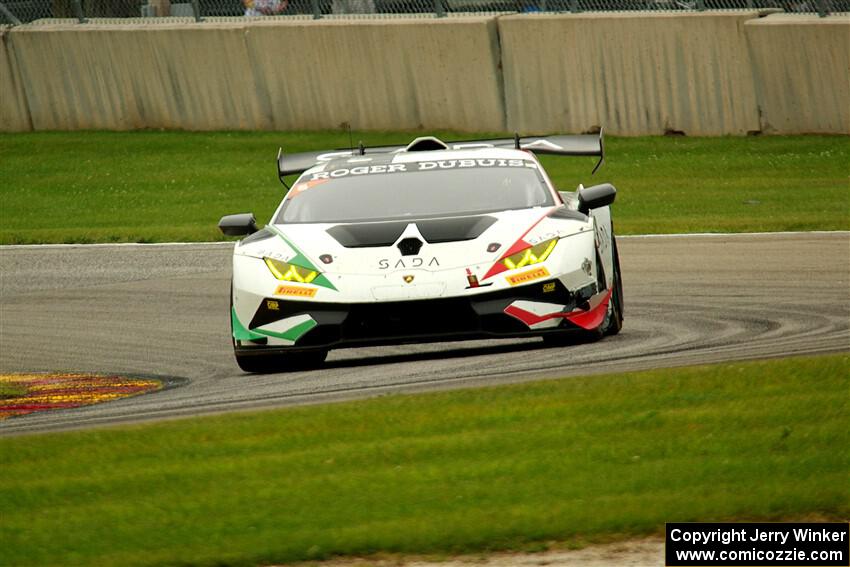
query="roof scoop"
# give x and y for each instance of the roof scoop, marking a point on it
(426, 144)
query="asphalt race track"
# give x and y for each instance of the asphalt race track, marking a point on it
(163, 311)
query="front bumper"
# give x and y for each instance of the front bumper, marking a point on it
(532, 310)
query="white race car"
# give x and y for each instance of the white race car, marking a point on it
(431, 241)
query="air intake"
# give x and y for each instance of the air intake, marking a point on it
(410, 246)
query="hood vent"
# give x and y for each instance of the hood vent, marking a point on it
(433, 231)
(454, 229)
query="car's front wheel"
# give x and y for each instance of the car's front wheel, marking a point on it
(614, 318)
(613, 321)
(611, 324)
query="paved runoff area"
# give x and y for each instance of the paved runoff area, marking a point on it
(161, 312)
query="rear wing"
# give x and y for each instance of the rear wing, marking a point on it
(579, 145)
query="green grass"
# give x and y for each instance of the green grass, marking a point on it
(515, 467)
(174, 186)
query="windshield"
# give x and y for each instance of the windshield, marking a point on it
(356, 193)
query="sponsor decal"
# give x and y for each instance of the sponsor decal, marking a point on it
(542, 144)
(273, 254)
(548, 287)
(528, 276)
(417, 166)
(332, 156)
(295, 291)
(272, 305)
(473, 282)
(542, 237)
(466, 163)
(415, 262)
(408, 279)
(359, 170)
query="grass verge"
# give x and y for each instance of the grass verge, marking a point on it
(174, 186)
(484, 469)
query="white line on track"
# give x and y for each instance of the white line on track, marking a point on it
(735, 234)
(226, 243)
(116, 244)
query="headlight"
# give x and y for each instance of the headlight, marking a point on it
(534, 255)
(290, 272)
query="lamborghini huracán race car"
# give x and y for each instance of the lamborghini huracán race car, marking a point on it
(431, 241)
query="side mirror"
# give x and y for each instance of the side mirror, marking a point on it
(238, 225)
(595, 197)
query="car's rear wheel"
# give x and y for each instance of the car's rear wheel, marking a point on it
(272, 363)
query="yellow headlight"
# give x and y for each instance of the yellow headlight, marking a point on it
(290, 272)
(529, 256)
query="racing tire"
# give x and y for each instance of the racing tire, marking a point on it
(614, 318)
(274, 363)
(613, 321)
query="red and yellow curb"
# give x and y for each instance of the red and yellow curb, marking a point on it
(42, 392)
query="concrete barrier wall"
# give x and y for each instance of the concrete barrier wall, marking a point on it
(268, 75)
(633, 74)
(14, 115)
(380, 74)
(802, 72)
(121, 77)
